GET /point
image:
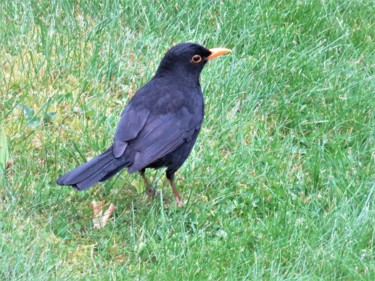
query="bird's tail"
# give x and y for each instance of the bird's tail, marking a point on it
(97, 169)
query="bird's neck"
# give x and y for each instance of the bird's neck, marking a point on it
(175, 77)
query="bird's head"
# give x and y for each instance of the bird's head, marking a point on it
(186, 60)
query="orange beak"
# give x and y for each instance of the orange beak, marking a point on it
(217, 52)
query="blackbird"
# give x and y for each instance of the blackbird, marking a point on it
(159, 126)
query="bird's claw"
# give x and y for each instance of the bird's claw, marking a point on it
(179, 202)
(151, 192)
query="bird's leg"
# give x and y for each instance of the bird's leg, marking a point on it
(150, 190)
(170, 177)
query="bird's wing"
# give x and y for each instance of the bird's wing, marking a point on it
(131, 123)
(160, 136)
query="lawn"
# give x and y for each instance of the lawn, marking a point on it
(280, 185)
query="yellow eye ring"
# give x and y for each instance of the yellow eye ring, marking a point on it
(196, 59)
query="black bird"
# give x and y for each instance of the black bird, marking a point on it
(159, 126)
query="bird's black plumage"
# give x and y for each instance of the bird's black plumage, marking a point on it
(159, 126)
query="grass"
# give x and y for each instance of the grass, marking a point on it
(280, 184)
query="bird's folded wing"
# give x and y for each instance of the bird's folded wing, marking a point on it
(160, 136)
(131, 123)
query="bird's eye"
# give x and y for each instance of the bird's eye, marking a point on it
(196, 59)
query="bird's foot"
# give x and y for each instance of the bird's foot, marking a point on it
(179, 202)
(151, 192)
